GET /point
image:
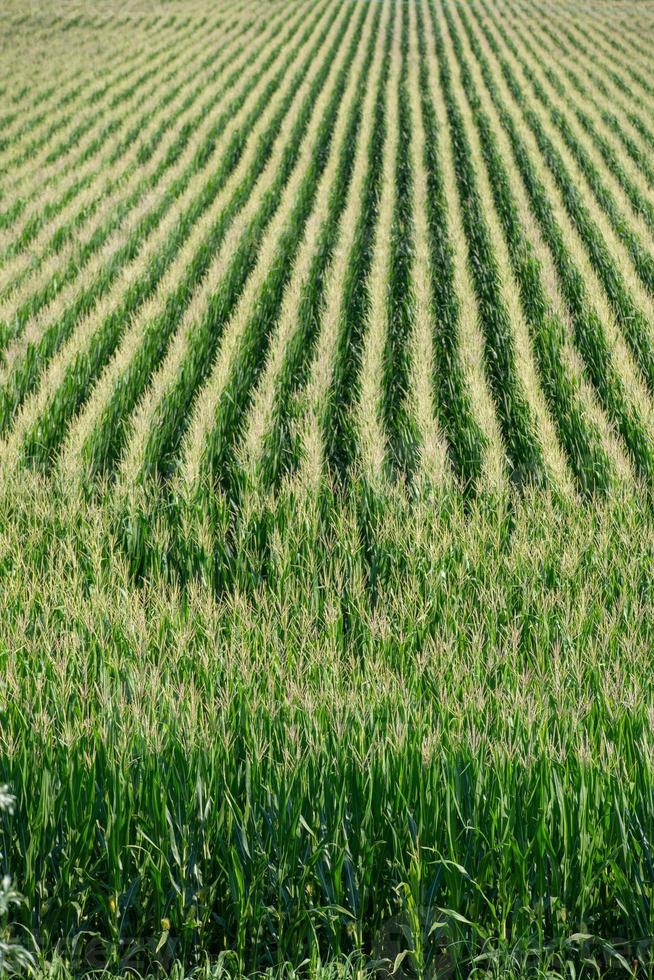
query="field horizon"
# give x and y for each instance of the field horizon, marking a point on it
(326, 485)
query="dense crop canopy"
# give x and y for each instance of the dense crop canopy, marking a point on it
(326, 473)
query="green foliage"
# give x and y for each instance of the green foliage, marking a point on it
(522, 447)
(389, 717)
(260, 721)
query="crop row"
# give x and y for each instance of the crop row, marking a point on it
(26, 369)
(205, 344)
(190, 145)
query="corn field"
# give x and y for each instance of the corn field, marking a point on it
(326, 488)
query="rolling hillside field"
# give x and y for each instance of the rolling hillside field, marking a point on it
(327, 489)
